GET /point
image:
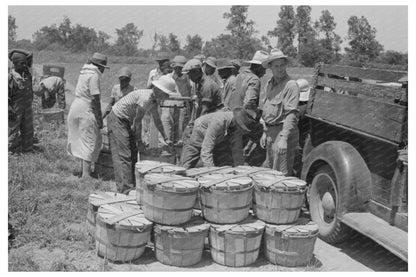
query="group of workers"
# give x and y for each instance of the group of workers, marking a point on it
(221, 118)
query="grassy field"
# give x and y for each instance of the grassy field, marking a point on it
(48, 203)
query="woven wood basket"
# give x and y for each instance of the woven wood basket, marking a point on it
(253, 170)
(121, 233)
(99, 198)
(169, 199)
(278, 200)
(181, 245)
(290, 245)
(225, 198)
(145, 167)
(236, 245)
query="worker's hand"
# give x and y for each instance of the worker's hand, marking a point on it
(280, 146)
(169, 142)
(263, 141)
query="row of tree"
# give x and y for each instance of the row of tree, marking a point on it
(305, 41)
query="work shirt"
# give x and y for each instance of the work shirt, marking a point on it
(55, 88)
(117, 93)
(281, 104)
(227, 92)
(247, 91)
(154, 75)
(214, 129)
(126, 107)
(208, 93)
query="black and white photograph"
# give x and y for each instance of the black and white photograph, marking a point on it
(263, 137)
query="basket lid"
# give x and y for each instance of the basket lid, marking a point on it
(99, 198)
(200, 171)
(127, 216)
(196, 224)
(281, 183)
(253, 171)
(146, 166)
(171, 182)
(225, 182)
(302, 228)
(249, 225)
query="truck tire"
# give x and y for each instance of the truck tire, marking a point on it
(325, 198)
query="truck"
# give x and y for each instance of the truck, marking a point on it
(355, 157)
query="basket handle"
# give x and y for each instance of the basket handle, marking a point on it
(114, 200)
(151, 185)
(155, 166)
(225, 179)
(284, 179)
(208, 171)
(119, 217)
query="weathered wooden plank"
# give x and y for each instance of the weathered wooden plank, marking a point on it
(385, 93)
(377, 118)
(363, 73)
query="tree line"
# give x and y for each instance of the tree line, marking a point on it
(306, 42)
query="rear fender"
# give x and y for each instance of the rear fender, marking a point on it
(352, 174)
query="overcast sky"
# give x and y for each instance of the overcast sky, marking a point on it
(391, 22)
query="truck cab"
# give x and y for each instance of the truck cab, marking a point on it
(356, 157)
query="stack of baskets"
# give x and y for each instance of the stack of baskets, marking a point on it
(166, 197)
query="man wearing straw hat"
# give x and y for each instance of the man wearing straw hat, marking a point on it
(124, 127)
(280, 115)
(212, 132)
(20, 100)
(247, 84)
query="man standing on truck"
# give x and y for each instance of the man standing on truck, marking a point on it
(280, 115)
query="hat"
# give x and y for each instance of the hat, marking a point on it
(166, 84)
(124, 72)
(274, 55)
(211, 61)
(245, 118)
(304, 89)
(178, 61)
(20, 54)
(200, 57)
(236, 63)
(225, 64)
(190, 65)
(99, 59)
(259, 57)
(162, 56)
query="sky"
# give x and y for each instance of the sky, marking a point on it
(391, 22)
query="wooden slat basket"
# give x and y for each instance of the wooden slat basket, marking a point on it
(169, 199)
(290, 245)
(225, 198)
(181, 245)
(253, 170)
(278, 200)
(121, 233)
(99, 198)
(145, 167)
(236, 245)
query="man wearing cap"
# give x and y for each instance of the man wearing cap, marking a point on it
(163, 68)
(209, 66)
(225, 71)
(84, 117)
(50, 89)
(20, 98)
(207, 91)
(124, 127)
(212, 131)
(247, 84)
(280, 115)
(175, 124)
(120, 90)
(236, 63)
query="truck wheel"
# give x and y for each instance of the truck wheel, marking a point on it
(324, 202)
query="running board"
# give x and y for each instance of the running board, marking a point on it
(390, 237)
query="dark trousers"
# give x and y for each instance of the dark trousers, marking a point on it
(221, 155)
(21, 126)
(123, 151)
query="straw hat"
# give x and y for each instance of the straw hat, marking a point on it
(166, 84)
(259, 57)
(191, 65)
(274, 55)
(211, 61)
(304, 89)
(99, 59)
(178, 61)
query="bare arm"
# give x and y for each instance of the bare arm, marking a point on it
(96, 107)
(109, 107)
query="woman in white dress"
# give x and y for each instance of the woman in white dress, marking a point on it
(84, 118)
